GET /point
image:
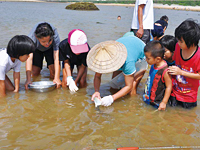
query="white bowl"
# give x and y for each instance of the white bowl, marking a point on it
(42, 86)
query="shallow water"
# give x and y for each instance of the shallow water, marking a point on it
(62, 120)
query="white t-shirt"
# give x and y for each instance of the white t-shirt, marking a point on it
(6, 64)
(148, 17)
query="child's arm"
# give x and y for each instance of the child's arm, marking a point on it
(174, 70)
(2, 88)
(16, 76)
(28, 70)
(168, 84)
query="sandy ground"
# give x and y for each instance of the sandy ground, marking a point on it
(159, 6)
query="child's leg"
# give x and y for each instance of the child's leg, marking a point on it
(172, 101)
(137, 78)
(49, 57)
(9, 85)
(83, 82)
(64, 80)
(37, 62)
(52, 71)
(36, 70)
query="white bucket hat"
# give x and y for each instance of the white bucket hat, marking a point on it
(107, 57)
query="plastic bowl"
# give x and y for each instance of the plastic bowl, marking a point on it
(42, 86)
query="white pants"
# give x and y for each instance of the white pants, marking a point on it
(118, 82)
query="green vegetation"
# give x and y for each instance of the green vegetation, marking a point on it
(82, 6)
(179, 2)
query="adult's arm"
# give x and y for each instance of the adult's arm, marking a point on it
(2, 88)
(16, 76)
(97, 82)
(29, 62)
(57, 69)
(140, 31)
(125, 90)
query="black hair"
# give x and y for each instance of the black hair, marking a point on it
(155, 48)
(189, 31)
(165, 18)
(44, 30)
(20, 45)
(169, 42)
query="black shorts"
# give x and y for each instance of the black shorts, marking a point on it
(38, 57)
(146, 35)
(174, 102)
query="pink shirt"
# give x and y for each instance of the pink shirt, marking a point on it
(185, 89)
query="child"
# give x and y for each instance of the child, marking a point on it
(159, 84)
(73, 51)
(46, 39)
(159, 28)
(18, 50)
(186, 73)
(169, 42)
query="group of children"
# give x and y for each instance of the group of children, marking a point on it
(173, 77)
(177, 84)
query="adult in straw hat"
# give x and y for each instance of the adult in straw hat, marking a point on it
(118, 56)
(73, 51)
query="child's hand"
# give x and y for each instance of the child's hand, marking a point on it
(174, 70)
(162, 106)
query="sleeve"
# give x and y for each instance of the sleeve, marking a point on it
(84, 60)
(198, 65)
(175, 52)
(17, 67)
(32, 33)
(56, 40)
(2, 73)
(140, 2)
(129, 68)
(62, 54)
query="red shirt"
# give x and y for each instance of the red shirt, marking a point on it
(185, 89)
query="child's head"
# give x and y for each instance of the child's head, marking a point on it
(118, 17)
(44, 33)
(165, 18)
(169, 42)
(188, 32)
(19, 46)
(154, 52)
(44, 30)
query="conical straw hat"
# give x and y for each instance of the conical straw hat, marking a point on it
(106, 57)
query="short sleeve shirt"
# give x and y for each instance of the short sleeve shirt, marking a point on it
(135, 51)
(65, 53)
(55, 43)
(148, 17)
(185, 89)
(6, 64)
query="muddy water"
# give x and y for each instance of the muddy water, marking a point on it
(62, 120)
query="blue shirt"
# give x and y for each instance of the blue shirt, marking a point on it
(135, 51)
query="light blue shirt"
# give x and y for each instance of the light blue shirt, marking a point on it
(135, 51)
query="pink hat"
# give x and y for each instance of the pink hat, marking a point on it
(78, 41)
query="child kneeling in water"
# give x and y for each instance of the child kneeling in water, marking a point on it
(18, 50)
(186, 72)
